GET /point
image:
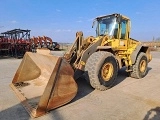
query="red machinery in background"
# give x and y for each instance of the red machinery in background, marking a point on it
(16, 42)
(44, 42)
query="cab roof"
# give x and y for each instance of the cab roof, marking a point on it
(115, 14)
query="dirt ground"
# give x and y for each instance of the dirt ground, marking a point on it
(129, 99)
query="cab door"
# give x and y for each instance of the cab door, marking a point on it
(123, 41)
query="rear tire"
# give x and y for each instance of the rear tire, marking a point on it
(101, 69)
(140, 66)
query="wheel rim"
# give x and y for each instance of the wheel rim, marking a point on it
(107, 71)
(143, 66)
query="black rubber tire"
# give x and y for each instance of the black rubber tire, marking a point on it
(136, 73)
(93, 70)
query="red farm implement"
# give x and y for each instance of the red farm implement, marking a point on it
(16, 42)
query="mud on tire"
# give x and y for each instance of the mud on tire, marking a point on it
(140, 66)
(93, 69)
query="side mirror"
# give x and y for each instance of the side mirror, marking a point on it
(119, 18)
(93, 23)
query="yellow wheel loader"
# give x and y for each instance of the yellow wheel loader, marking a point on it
(44, 82)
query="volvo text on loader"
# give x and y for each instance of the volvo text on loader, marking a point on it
(44, 82)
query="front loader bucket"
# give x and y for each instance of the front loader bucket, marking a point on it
(43, 82)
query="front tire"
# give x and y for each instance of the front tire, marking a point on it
(140, 66)
(102, 70)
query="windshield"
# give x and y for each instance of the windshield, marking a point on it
(107, 26)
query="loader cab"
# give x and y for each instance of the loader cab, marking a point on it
(107, 26)
(116, 27)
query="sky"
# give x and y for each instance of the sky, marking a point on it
(61, 19)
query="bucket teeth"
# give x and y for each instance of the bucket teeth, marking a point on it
(44, 82)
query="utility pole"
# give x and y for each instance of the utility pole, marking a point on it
(153, 39)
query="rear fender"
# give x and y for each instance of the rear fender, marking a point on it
(139, 49)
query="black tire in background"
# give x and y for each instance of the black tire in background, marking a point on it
(93, 69)
(140, 66)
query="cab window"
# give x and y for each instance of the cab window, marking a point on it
(123, 29)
